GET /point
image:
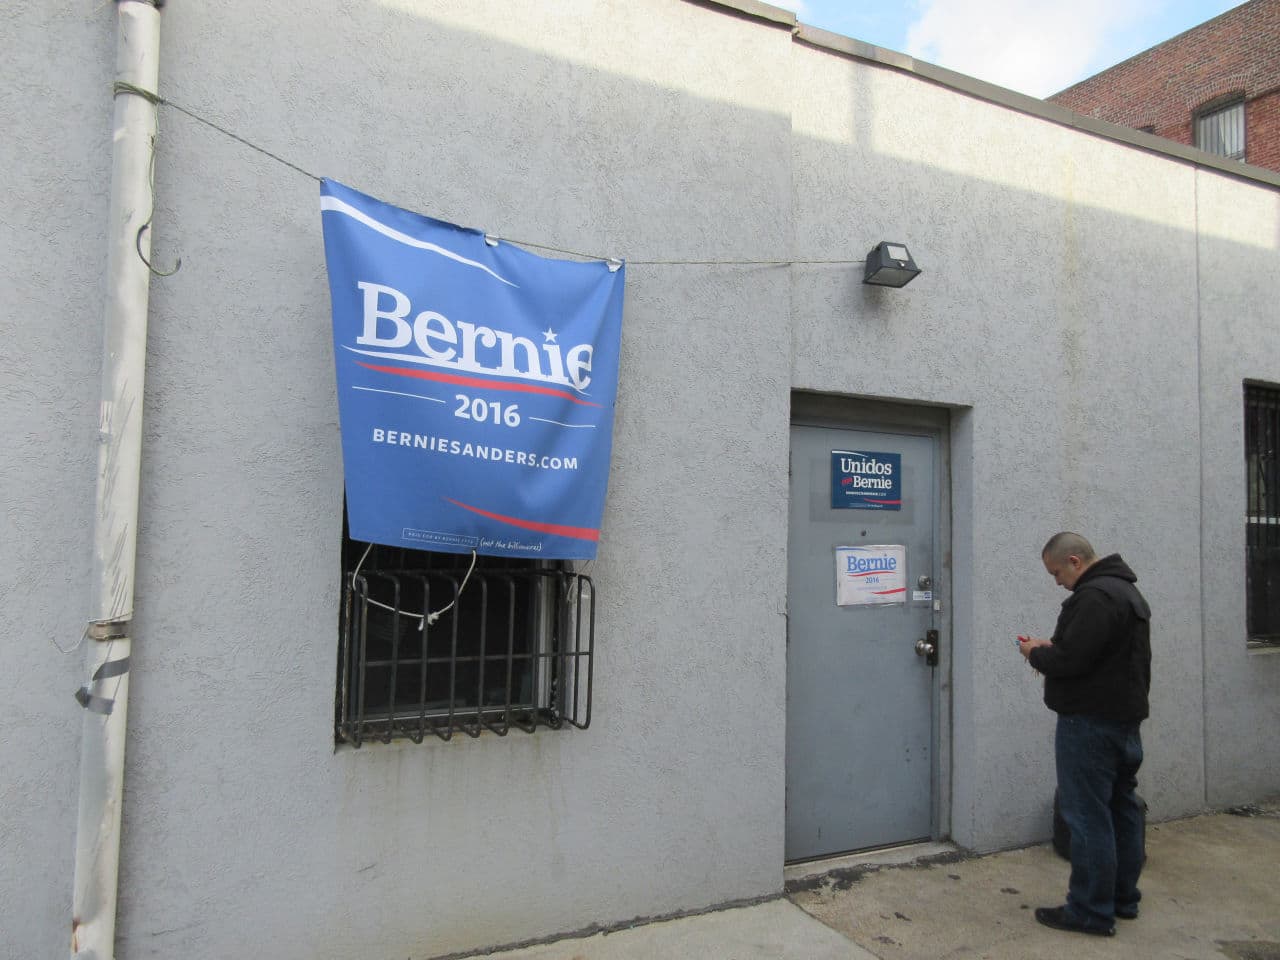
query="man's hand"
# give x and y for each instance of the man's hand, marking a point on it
(1027, 644)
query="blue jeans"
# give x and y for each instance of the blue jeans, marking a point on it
(1098, 763)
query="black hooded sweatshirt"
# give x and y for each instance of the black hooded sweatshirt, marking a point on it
(1100, 661)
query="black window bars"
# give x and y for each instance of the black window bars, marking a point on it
(1221, 130)
(1262, 511)
(513, 649)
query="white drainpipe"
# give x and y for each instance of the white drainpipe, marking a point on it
(105, 696)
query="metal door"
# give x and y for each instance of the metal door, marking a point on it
(861, 691)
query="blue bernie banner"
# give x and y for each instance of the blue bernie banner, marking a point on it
(476, 384)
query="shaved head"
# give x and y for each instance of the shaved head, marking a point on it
(1067, 544)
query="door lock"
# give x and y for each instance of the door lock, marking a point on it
(927, 647)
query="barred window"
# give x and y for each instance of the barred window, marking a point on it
(1262, 511)
(511, 648)
(1221, 130)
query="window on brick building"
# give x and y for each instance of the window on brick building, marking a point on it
(1262, 511)
(1220, 130)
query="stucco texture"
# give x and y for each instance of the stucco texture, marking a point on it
(1239, 290)
(246, 833)
(1075, 317)
(1066, 339)
(53, 246)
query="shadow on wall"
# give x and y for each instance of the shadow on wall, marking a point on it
(664, 136)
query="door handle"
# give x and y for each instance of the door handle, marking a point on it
(927, 647)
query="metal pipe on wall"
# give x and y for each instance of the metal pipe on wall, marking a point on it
(105, 696)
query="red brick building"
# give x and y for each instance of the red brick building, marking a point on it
(1216, 87)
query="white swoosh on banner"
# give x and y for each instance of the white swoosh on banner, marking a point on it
(339, 206)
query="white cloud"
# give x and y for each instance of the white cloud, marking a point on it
(1033, 46)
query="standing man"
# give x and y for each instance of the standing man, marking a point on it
(1097, 671)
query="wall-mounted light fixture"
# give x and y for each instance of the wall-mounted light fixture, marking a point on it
(890, 265)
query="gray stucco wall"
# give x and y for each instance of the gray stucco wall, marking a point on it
(1057, 318)
(56, 154)
(1057, 311)
(491, 119)
(245, 832)
(1239, 290)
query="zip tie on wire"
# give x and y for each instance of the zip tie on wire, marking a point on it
(424, 620)
(432, 618)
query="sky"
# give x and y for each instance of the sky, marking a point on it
(1037, 47)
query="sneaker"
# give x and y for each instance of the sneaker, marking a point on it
(1059, 919)
(1129, 912)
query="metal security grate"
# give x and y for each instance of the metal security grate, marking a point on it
(1262, 511)
(514, 651)
(1221, 131)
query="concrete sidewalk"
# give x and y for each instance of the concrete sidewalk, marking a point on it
(1211, 890)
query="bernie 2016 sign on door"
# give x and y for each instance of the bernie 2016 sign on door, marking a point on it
(476, 384)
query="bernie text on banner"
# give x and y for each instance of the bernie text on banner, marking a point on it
(476, 384)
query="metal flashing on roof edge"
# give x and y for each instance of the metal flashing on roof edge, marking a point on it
(1032, 106)
(990, 92)
(1029, 105)
(753, 9)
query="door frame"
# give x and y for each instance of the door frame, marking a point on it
(853, 413)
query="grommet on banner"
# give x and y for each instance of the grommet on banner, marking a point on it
(614, 264)
(491, 240)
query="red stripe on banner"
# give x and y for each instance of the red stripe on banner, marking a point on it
(475, 382)
(577, 533)
(874, 500)
(881, 593)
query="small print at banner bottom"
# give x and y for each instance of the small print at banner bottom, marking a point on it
(476, 384)
(874, 574)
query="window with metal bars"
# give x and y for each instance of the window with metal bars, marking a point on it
(1262, 511)
(511, 648)
(1220, 130)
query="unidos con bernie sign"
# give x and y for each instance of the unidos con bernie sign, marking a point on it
(864, 480)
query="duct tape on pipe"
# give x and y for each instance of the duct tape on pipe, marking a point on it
(95, 704)
(112, 668)
(107, 670)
